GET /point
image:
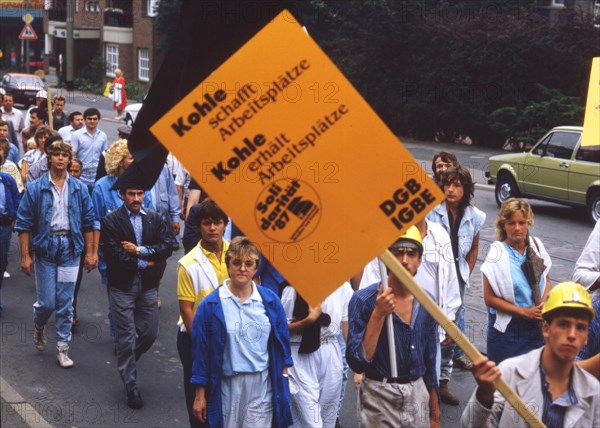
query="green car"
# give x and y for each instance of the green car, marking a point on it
(556, 169)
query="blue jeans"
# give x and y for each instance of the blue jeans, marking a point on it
(460, 319)
(55, 277)
(5, 235)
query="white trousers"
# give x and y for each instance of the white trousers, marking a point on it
(315, 385)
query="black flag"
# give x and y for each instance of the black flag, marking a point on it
(208, 33)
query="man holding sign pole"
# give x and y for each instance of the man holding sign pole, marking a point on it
(557, 390)
(415, 334)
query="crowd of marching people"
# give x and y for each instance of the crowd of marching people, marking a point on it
(255, 353)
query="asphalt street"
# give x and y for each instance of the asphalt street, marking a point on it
(35, 391)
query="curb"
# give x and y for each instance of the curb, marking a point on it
(24, 412)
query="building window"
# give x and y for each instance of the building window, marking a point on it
(143, 65)
(112, 59)
(91, 6)
(151, 7)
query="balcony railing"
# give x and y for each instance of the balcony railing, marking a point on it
(118, 19)
(58, 14)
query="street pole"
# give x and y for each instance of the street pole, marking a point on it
(27, 45)
(70, 46)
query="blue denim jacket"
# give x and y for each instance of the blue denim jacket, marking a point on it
(470, 225)
(11, 194)
(35, 213)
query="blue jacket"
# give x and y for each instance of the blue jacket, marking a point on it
(35, 213)
(12, 194)
(209, 335)
(470, 225)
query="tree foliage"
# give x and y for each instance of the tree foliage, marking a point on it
(485, 68)
(429, 66)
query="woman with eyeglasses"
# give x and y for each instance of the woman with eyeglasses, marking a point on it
(241, 349)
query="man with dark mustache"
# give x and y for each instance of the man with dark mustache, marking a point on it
(135, 244)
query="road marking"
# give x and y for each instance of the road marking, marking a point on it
(31, 417)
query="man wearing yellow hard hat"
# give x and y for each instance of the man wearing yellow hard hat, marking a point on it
(411, 398)
(547, 379)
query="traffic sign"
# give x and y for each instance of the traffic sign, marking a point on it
(28, 18)
(28, 33)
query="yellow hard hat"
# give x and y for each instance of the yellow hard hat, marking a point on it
(412, 234)
(568, 295)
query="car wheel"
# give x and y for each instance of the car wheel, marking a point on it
(505, 188)
(594, 206)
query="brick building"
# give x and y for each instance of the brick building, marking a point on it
(119, 30)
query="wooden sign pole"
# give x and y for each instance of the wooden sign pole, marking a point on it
(454, 332)
(50, 118)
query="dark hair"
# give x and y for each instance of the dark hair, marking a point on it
(461, 174)
(444, 156)
(40, 113)
(4, 123)
(124, 189)
(72, 115)
(92, 111)
(75, 160)
(210, 210)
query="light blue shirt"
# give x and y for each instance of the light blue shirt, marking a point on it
(66, 132)
(248, 330)
(60, 210)
(165, 197)
(136, 223)
(88, 150)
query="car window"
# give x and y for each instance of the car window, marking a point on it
(588, 154)
(560, 145)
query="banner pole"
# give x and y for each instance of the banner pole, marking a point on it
(454, 332)
(389, 323)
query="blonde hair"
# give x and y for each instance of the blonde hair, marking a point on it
(114, 155)
(508, 208)
(241, 247)
(118, 72)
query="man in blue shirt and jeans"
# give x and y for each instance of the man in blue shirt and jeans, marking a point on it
(57, 213)
(410, 399)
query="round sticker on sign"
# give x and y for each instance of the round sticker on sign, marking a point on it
(288, 210)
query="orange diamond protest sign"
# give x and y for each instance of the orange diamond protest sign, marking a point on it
(291, 151)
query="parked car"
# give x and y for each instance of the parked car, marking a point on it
(23, 87)
(557, 169)
(131, 112)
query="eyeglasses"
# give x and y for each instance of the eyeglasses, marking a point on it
(400, 252)
(249, 264)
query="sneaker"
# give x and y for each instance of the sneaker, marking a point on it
(63, 358)
(133, 397)
(39, 338)
(6, 275)
(463, 362)
(446, 395)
